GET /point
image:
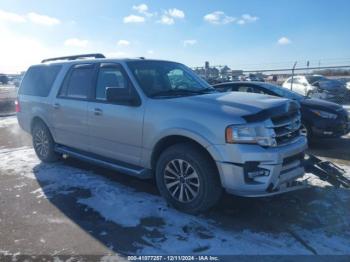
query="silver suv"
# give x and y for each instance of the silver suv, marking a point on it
(151, 118)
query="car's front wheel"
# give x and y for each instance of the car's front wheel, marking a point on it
(43, 143)
(187, 178)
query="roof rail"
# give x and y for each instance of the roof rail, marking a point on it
(73, 57)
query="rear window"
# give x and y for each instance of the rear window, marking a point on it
(39, 79)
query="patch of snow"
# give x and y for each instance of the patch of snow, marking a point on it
(126, 207)
(8, 121)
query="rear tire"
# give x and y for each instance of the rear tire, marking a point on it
(188, 179)
(43, 143)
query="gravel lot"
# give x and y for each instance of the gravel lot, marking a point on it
(73, 208)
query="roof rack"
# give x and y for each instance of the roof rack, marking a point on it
(74, 57)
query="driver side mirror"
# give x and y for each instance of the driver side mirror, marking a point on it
(123, 96)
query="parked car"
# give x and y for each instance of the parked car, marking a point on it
(346, 82)
(158, 118)
(255, 78)
(318, 86)
(319, 118)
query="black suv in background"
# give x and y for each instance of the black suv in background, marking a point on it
(319, 118)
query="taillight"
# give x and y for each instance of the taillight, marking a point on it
(18, 107)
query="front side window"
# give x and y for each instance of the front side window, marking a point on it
(79, 83)
(164, 79)
(110, 77)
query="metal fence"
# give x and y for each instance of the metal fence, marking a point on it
(334, 87)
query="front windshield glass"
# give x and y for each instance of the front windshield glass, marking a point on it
(283, 92)
(164, 79)
(313, 79)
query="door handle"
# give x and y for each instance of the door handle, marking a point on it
(98, 111)
(56, 105)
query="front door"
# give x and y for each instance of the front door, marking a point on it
(115, 129)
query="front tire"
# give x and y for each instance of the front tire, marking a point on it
(43, 143)
(188, 179)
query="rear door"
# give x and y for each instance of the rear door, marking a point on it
(70, 107)
(115, 129)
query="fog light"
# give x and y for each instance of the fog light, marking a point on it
(252, 171)
(257, 173)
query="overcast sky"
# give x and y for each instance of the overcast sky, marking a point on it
(243, 34)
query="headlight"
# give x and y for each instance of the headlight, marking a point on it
(324, 114)
(250, 134)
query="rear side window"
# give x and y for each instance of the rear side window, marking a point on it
(39, 79)
(79, 83)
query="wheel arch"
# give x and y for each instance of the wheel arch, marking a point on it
(171, 140)
(35, 120)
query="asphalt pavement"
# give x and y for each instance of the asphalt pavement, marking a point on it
(76, 209)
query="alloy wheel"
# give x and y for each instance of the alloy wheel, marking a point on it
(181, 180)
(41, 142)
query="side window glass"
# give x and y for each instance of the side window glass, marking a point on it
(79, 83)
(110, 77)
(296, 80)
(248, 89)
(38, 80)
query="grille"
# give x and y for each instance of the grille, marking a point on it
(286, 126)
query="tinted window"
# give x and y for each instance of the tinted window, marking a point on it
(249, 89)
(226, 88)
(109, 77)
(39, 79)
(313, 79)
(79, 83)
(281, 91)
(296, 80)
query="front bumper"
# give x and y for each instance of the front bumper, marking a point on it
(331, 127)
(281, 166)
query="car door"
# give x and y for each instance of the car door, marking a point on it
(70, 111)
(115, 129)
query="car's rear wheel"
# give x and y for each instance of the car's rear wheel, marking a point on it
(187, 178)
(43, 143)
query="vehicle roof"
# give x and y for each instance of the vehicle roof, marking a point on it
(99, 60)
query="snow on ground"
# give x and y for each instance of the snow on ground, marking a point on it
(7, 121)
(126, 207)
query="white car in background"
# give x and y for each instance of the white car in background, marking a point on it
(303, 85)
(317, 86)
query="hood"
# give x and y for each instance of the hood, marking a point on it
(233, 103)
(320, 104)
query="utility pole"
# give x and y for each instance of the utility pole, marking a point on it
(291, 84)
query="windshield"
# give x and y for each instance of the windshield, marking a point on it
(283, 92)
(313, 79)
(164, 79)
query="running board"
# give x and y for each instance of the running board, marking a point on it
(91, 158)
